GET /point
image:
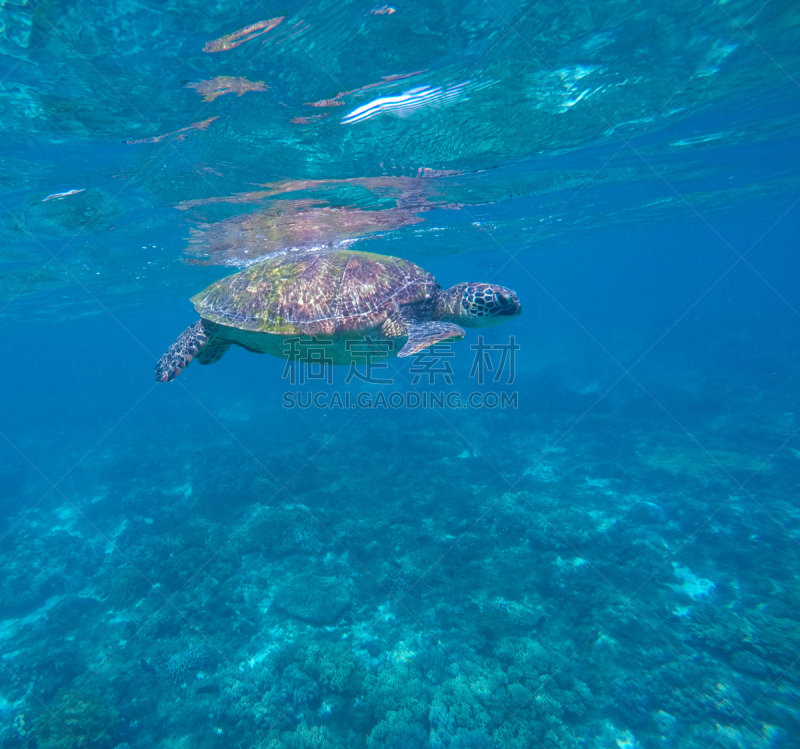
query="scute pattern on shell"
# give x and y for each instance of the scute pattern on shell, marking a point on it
(315, 293)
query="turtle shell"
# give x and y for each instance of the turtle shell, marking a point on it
(315, 293)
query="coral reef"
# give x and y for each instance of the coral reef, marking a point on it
(190, 595)
(313, 598)
(182, 665)
(75, 720)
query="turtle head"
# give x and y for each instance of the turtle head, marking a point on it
(483, 305)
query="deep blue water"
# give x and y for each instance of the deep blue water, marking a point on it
(607, 559)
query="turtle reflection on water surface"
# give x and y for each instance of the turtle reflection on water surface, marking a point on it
(340, 297)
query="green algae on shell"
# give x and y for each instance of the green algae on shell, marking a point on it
(314, 292)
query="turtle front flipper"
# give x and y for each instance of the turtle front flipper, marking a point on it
(422, 335)
(189, 344)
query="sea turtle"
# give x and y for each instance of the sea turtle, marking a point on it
(341, 301)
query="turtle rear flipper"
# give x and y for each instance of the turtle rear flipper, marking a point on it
(422, 335)
(213, 351)
(189, 344)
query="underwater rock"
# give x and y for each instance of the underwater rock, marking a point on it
(313, 598)
(605, 650)
(749, 662)
(73, 611)
(631, 701)
(647, 513)
(692, 585)
(667, 724)
(147, 667)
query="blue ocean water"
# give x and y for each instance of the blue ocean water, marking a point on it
(576, 529)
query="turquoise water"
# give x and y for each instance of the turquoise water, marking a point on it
(597, 549)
